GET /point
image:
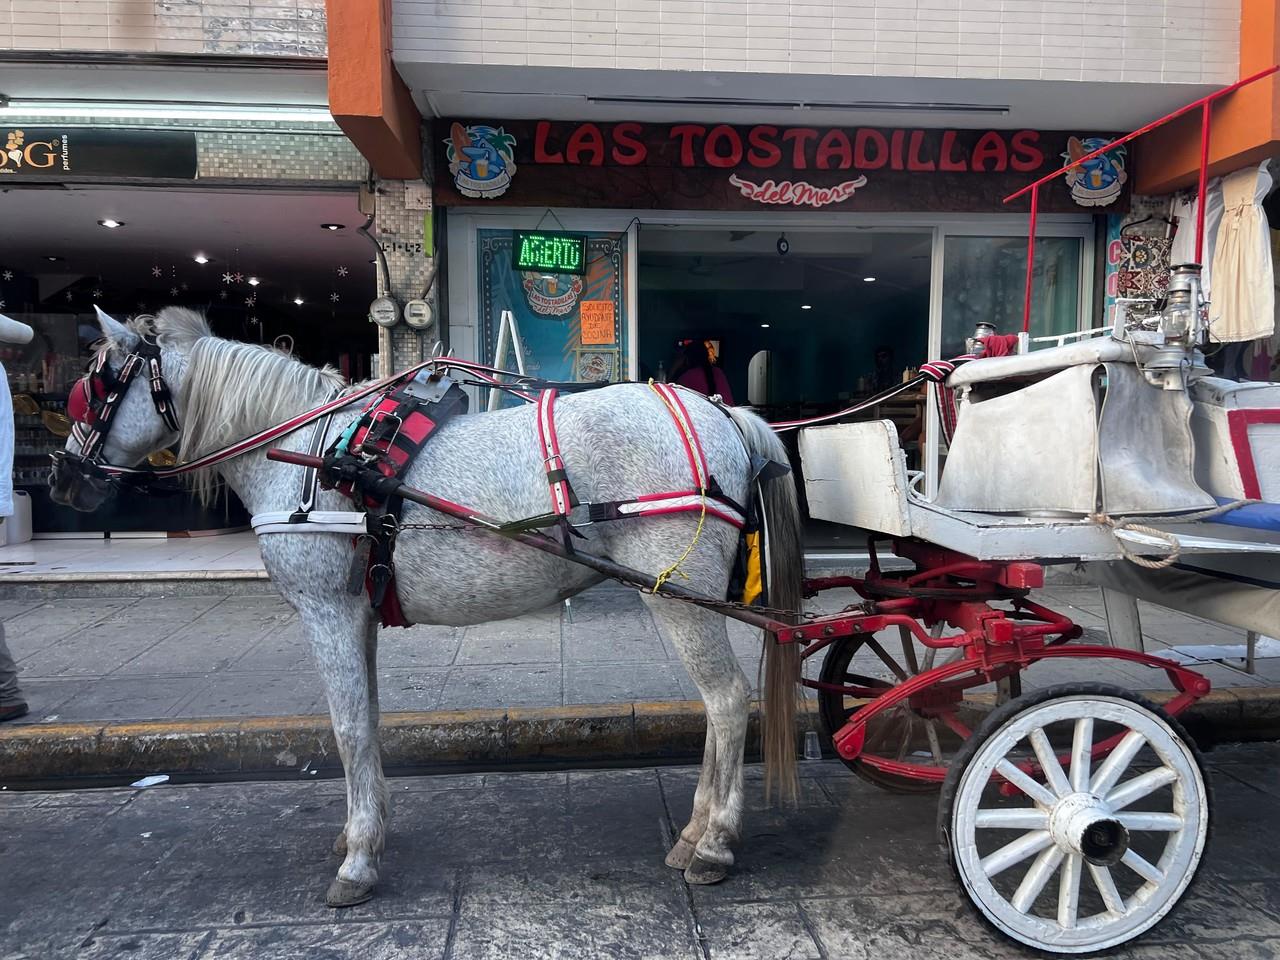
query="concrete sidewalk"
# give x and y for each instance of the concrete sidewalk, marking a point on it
(563, 865)
(127, 658)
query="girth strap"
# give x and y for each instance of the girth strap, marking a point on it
(562, 496)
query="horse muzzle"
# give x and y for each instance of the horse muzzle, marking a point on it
(71, 484)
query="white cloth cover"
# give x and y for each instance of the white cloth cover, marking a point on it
(1243, 303)
(1183, 249)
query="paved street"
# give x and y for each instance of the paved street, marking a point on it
(217, 656)
(557, 865)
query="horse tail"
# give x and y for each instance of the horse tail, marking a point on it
(784, 575)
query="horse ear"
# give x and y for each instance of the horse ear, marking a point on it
(112, 328)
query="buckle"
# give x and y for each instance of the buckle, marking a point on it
(377, 431)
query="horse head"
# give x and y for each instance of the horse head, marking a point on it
(124, 407)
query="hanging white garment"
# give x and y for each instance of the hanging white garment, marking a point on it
(1183, 212)
(1243, 303)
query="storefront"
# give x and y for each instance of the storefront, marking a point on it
(256, 227)
(817, 263)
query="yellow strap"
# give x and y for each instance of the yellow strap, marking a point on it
(674, 569)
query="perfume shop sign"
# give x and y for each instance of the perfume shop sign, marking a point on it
(61, 153)
(708, 166)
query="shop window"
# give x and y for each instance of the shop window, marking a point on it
(984, 280)
(566, 327)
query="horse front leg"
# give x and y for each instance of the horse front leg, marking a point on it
(371, 674)
(338, 636)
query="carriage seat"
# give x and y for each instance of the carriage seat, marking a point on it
(1041, 362)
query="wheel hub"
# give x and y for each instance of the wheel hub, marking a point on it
(1083, 823)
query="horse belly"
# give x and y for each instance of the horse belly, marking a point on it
(459, 579)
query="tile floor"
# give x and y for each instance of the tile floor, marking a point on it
(225, 555)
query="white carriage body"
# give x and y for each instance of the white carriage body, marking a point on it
(1041, 450)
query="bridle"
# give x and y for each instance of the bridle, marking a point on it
(96, 397)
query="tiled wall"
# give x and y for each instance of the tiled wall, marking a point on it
(264, 27)
(1136, 40)
(395, 223)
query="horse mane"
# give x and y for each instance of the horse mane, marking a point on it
(233, 390)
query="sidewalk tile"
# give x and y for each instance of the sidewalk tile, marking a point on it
(758, 931)
(410, 689)
(259, 694)
(400, 940)
(477, 648)
(421, 645)
(622, 682)
(134, 698)
(501, 685)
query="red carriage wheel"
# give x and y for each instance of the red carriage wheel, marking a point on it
(909, 747)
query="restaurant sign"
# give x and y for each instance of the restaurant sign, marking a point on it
(53, 153)
(697, 166)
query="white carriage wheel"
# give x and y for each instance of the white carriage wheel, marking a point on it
(1078, 820)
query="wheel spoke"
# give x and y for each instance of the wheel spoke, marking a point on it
(1155, 822)
(1015, 852)
(1069, 891)
(887, 660)
(935, 745)
(1140, 866)
(1117, 763)
(1081, 754)
(1022, 818)
(1036, 879)
(1106, 885)
(1032, 788)
(1134, 790)
(905, 742)
(1049, 762)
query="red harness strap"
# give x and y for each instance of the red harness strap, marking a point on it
(704, 492)
(562, 496)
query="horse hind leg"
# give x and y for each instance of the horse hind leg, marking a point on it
(682, 852)
(701, 639)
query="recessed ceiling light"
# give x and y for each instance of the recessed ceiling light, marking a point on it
(868, 279)
(110, 224)
(54, 259)
(765, 326)
(298, 301)
(806, 306)
(332, 226)
(200, 258)
(254, 281)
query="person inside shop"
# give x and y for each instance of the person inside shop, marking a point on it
(883, 377)
(12, 705)
(695, 369)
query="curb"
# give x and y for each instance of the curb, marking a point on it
(271, 747)
(70, 586)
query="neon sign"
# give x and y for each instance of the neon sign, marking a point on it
(549, 252)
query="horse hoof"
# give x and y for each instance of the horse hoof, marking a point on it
(681, 854)
(704, 871)
(347, 893)
(340, 845)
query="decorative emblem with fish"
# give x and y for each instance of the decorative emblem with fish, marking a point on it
(481, 159)
(1096, 182)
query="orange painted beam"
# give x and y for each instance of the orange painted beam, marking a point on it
(367, 97)
(1246, 124)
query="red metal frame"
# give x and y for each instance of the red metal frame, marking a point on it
(955, 590)
(1206, 107)
(1238, 423)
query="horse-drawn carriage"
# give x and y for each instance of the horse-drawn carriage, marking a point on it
(1075, 814)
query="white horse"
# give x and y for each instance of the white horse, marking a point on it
(616, 442)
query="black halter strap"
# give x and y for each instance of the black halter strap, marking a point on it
(92, 432)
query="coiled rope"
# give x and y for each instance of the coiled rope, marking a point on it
(1137, 525)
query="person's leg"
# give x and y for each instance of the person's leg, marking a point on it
(12, 705)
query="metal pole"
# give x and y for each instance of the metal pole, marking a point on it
(1202, 191)
(1150, 126)
(1031, 260)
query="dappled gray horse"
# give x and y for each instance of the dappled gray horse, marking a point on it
(617, 442)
